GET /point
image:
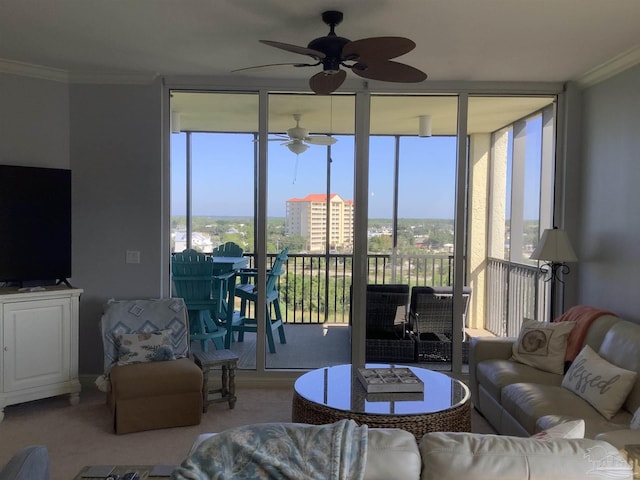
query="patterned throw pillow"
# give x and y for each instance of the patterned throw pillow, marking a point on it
(635, 421)
(602, 384)
(543, 345)
(144, 347)
(571, 429)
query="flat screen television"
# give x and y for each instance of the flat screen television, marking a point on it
(35, 225)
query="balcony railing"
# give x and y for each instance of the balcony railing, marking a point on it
(315, 288)
(514, 292)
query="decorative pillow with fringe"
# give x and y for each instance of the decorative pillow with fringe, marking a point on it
(144, 347)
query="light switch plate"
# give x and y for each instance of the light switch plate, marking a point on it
(133, 256)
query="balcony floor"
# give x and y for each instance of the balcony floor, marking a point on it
(308, 346)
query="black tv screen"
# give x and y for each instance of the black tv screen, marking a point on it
(35, 225)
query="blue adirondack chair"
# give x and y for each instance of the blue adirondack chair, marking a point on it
(247, 291)
(228, 249)
(203, 293)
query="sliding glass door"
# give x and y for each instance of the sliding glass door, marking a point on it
(445, 207)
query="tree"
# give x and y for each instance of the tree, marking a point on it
(295, 243)
(380, 244)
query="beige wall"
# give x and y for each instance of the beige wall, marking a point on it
(479, 161)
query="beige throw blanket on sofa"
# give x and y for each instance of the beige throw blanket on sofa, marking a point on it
(280, 451)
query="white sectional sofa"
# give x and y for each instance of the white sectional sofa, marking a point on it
(394, 453)
(519, 399)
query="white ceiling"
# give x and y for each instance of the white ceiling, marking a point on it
(463, 40)
(457, 40)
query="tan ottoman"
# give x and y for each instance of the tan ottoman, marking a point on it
(148, 396)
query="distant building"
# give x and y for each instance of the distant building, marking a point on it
(199, 241)
(307, 217)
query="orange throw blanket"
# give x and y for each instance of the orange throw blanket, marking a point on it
(583, 315)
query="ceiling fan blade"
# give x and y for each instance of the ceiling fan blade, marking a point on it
(295, 49)
(377, 48)
(320, 140)
(278, 138)
(294, 64)
(325, 84)
(389, 71)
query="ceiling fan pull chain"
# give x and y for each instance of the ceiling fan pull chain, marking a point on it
(295, 170)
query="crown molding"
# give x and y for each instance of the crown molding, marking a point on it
(112, 78)
(610, 68)
(64, 76)
(35, 71)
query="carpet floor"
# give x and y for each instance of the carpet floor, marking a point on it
(83, 435)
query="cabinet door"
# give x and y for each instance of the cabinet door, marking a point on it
(37, 343)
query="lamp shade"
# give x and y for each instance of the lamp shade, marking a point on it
(424, 129)
(554, 246)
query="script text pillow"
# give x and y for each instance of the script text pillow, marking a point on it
(543, 345)
(602, 384)
(144, 347)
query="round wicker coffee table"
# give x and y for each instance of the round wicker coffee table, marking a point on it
(329, 394)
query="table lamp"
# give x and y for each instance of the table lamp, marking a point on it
(555, 249)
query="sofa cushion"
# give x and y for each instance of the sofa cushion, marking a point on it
(494, 375)
(527, 402)
(602, 384)
(620, 438)
(620, 347)
(391, 453)
(593, 428)
(447, 455)
(543, 345)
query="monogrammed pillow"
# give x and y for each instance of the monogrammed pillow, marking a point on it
(543, 345)
(602, 384)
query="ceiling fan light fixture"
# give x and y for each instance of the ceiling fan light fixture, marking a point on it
(297, 147)
(424, 126)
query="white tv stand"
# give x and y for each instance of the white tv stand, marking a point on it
(39, 341)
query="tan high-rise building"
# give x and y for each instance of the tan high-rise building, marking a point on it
(307, 217)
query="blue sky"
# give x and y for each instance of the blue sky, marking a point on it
(223, 165)
(223, 175)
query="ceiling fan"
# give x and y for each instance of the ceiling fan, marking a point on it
(367, 58)
(298, 139)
